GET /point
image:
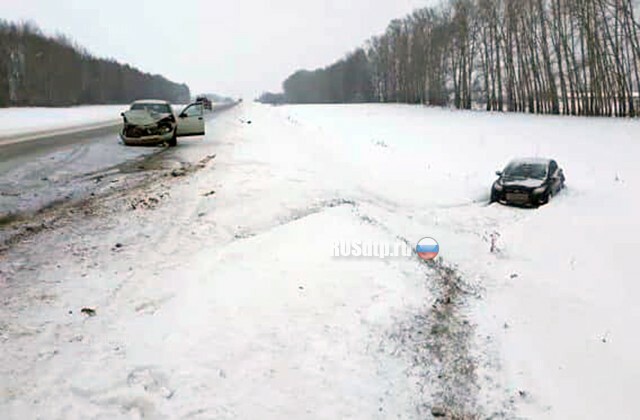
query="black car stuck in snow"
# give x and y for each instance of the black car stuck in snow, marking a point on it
(528, 182)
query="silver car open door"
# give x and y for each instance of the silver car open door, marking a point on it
(191, 121)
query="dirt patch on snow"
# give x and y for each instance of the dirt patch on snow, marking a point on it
(440, 343)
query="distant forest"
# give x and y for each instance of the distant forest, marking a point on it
(38, 70)
(574, 57)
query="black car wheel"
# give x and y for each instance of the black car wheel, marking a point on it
(494, 196)
(545, 197)
(174, 140)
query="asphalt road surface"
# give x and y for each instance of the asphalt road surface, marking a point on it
(44, 169)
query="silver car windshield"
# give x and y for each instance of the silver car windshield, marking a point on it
(157, 108)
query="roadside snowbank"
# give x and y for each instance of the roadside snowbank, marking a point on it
(18, 121)
(23, 121)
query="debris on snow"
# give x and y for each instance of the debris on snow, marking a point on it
(178, 172)
(438, 411)
(88, 311)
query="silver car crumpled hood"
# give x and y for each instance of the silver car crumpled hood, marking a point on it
(142, 117)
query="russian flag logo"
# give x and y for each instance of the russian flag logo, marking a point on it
(427, 248)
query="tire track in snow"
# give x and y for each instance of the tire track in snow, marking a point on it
(440, 344)
(438, 341)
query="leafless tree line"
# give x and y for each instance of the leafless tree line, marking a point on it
(348, 80)
(572, 57)
(37, 70)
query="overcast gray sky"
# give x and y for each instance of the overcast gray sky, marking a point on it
(235, 47)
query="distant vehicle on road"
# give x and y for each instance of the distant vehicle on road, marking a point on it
(528, 182)
(152, 121)
(206, 103)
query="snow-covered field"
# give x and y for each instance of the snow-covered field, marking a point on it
(223, 300)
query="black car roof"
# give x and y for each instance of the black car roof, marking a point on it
(530, 161)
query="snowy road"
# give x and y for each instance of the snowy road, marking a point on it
(28, 132)
(216, 294)
(41, 169)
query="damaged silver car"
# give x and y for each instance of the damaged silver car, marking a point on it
(150, 122)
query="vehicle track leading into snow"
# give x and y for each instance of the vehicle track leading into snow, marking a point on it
(441, 341)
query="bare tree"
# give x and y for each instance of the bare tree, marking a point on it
(575, 57)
